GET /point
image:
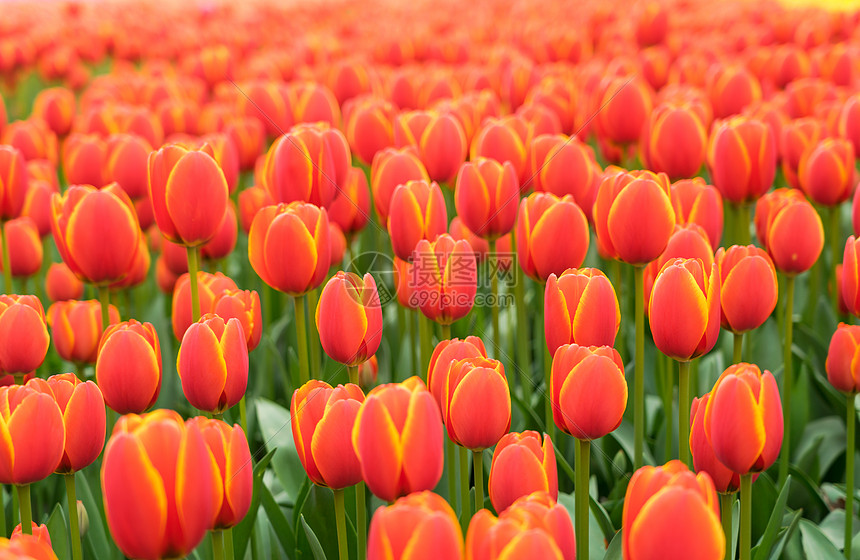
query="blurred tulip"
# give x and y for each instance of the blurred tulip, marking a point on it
(797, 138)
(486, 197)
(128, 367)
(84, 158)
(368, 372)
(350, 208)
(417, 212)
(37, 205)
(444, 278)
(580, 307)
(671, 513)
(696, 202)
(313, 103)
(76, 328)
(743, 419)
(748, 288)
(40, 532)
(13, 182)
(404, 284)
(126, 162)
(790, 230)
(56, 107)
(625, 104)
(220, 246)
(244, 306)
(842, 365)
(349, 318)
(742, 159)
(322, 420)
(26, 547)
(22, 325)
(674, 141)
(33, 138)
(162, 489)
(849, 121)
(390, 169)
(251, 200)
(826, 172)
(522, 465)
(438, 138)
(268, 103)
(249, 137)
(469, 382)
(543, 218)
(62, 284)
(420, 525)
(503, 139)
(288, 246)
(570, 167)
(850, 275)
(83, 409)
(34, 434)
(25, 247)
(369, 126)
(398, 440)
(731, 88)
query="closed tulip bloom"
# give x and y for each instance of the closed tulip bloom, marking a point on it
(76, 329)
(40, 532)
(445, 355)
(797, 138)
(22, 326)
(83, 159)
(543, 219)
(83, 409)
(580, 307)
(474, 384)
(731, 88)
(26, 547)
(522, 464)
(25, 247)
(696, 202)
(398, 440)
(243, 305)
(742, 158)
(704, 460)
(671, 514)
(128, 367)
(229, 448)
(369, 126)
(748, 288)
(404, 284)
(322, 418)
(503, 139)
(439, 139)
(210, 287)
(350, 208)
(534, 526)
(249, 137)
(743, 419)
(349, 318)
(62, 284)
(486, 197)
(674, 141)
(37, 204)
(220, 246)
(34, 434)
(827, 173)
(251, 200)
(633, 216)
(842, 365)
(570, 167)
(790, 229)
(625, 105)
(56, 107)
(33, 138)
(126, 163)
(420, 526)
(268, 102)
(313, 103)
(288, 246)
(162, 490)
(684, 309)
(13, 182)
(213, 363)
(445, 278)
(390, 169)
(188, 192)
(417, 212)
(96, 232)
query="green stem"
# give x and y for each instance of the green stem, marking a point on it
(3, 532)
(727, 501)
(353, 374)
(737, 348)
(218, 416)
(478, 466)
(361, 520)
(407, 328)
(668, 376)
(313, 336)
(684, 412)
(787, 379)
(743, 224)
(228, 543)
(193, 267)
(835, 238)
(521, 328)
(618, 284)
(494, 289)
(340, 516)
(243, 414)
(549, 428)
(217, 545)
(26, 512)
(583, 459)
(446, 331)
(639, 372)
(746, 516)
(104, 299)
(302, 339)
(466, 514)
(424, 336)
(850, 421)
(74, 532)
(450, 452)
(7, 265)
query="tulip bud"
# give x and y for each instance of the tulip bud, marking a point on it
(33, 423)
(742, 158)
(62, 284)
(701, 204)
(542, 219)
(209, 288)
(445, 355)
(417, 212)
(704, 460)
(826, 172)
(790, 230)
(486, 197)
(580, 307)
(25, 247)
(83, 409)
(748, 288)
(349, 318)
(128, 367)
(445, 278)
(76, 328)
(23, 327)
(424, 521)
(390, 169)
(522, 465)
(469, 382)
(842, 365)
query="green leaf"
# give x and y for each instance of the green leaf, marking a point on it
(59, 533)
(602, 518)
(624, 436)
(816, 545)
(614, 552)
(774, 523)
(277, 519)
(242, 532)
(785, 536)
(316, 548)
(96, 536)
(277, 434)
(812, 489)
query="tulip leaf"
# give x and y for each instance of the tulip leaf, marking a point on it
(602, 518)
(785, 536)
(812, 489)
(624, 436)
(96, 535)
(816, 545)
(242, 531)
(278, 520)
(774, 523)
(59, 532)
(302, 498)
(614, 551)
(277, 434)
(316, 547)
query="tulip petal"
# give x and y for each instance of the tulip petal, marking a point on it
(202, 368)
(678, 313)
(331, 445)
(422, 443)
(379, 450)
(737, 430)
(515, 472)
(85, 420)
(37, 453)
(480, 409)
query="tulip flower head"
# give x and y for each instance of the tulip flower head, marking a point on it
(243, 305)
(128, 367)
(83, 409)
(475, 383)
(444, 278)
(416, 212)
(445, 355)
(486, 196)
(725, 481)
(349, 318)
(421, 524)
(23, 328)
(694, 201)
(748, 288)
(522, 464)
(580, 307)
(790, 230)
(544, 219)
(742, 155)
(76, 329)
(842, 365)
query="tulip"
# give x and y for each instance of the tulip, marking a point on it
(13, 182)
(503, 139)
(439, 139)
(36, 436)
(268, 103)
(350, 208)
(249, 136)
(25, 247)
(826, 172)
(251, 200)
(33, 138)
(674, 140)
(211, 286)
(731, 88)
(26, 547)
(56, 108)
(522, 464)
(349, 320)
(670, 513)
(22, 326)
(369, 126)
(368, 372)
(625, 105)
(569, 167)
(543, 217)
(213, 363)
(76, 329)
(790, 230)
(688, 241)
(220, 246)
(470, 381)
(84, 159)
(39, 532)
(62, 284)
(126, 163)
(398, 439)
(420, 525)
(313, 103)
(128, 367)
(244, 306)
(725, 481)
(580, 307)
(161, 486)
(390, 169)
(742, 156)
(533, 527)
(699, 203)
(444, 274)
(797, 138)
(446, 353)
(416, 212)
(486, 197)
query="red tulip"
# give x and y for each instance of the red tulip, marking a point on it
(26, 547)
(842, 365)
(25, 247)
(790, 230)
(349, 318)
(22, 326)
(76, 328)
(674, 140)
(369, 126)
(210, 287)
(126, 162)
(83, 409)
(625, 105)
(798, 137)
(419, 526)
(826, 172)
(445, 355)
(34, 434)
(438, 138)
(569, 167)
(84, 159)
(445, 278)
(543, 218)
(503, 139)
(696, 202)
(742, 158)
(486, 197)
(473, 383)
(390, 169)
(417, 212)
(244, 306)
(748, 292)
(522, 465)
(704, 460)
(33, 138)
(62, 284)
(580, 307)
(56, 107)
(13, 182)
(350, 208)
(731, 88)
(128, 367)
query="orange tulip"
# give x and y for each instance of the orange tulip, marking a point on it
(229, 449)
(689, 241)
(790, 230)
(126, 163)
(533, 527)
(417, 211)
(580, 307)
(243, 305)
(96, 232)
(797, 138)
(390, 169)
(671, 513)
(625, 105)
(22, 326)
(404, 285)
(40, 532)
(62, 284)
(213, 363)
(84, 158)
(322, 419)
(267, 102)
(696, 202)
(13, 182)
(76, 328)
(439, 139)
(851, 275)
(633, 216)
(569, 167)
(350, 208)
(313, 103)
(684, 309)
(251, 200)
(26, 547)
(56, 107)
(369, 126)
(748, 290)
(826, 172)
(33, 138)
(34, 434)
(419, 526)
(349, 318)
(128, 367)
(288, 246)
(742, 158)
(398, 440)
(444, 278)
(704, 460)
(368, 372)
(473, 383)
(674, 140)
(743, 419)
(486, 197)
(25, 247)
(544, 218)
(842, 365)
(522, 465)
(249, 137)
(210, 287)
(83, 409)
(445, 355)
(503, 139)
(731, 88)
(161, 486)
